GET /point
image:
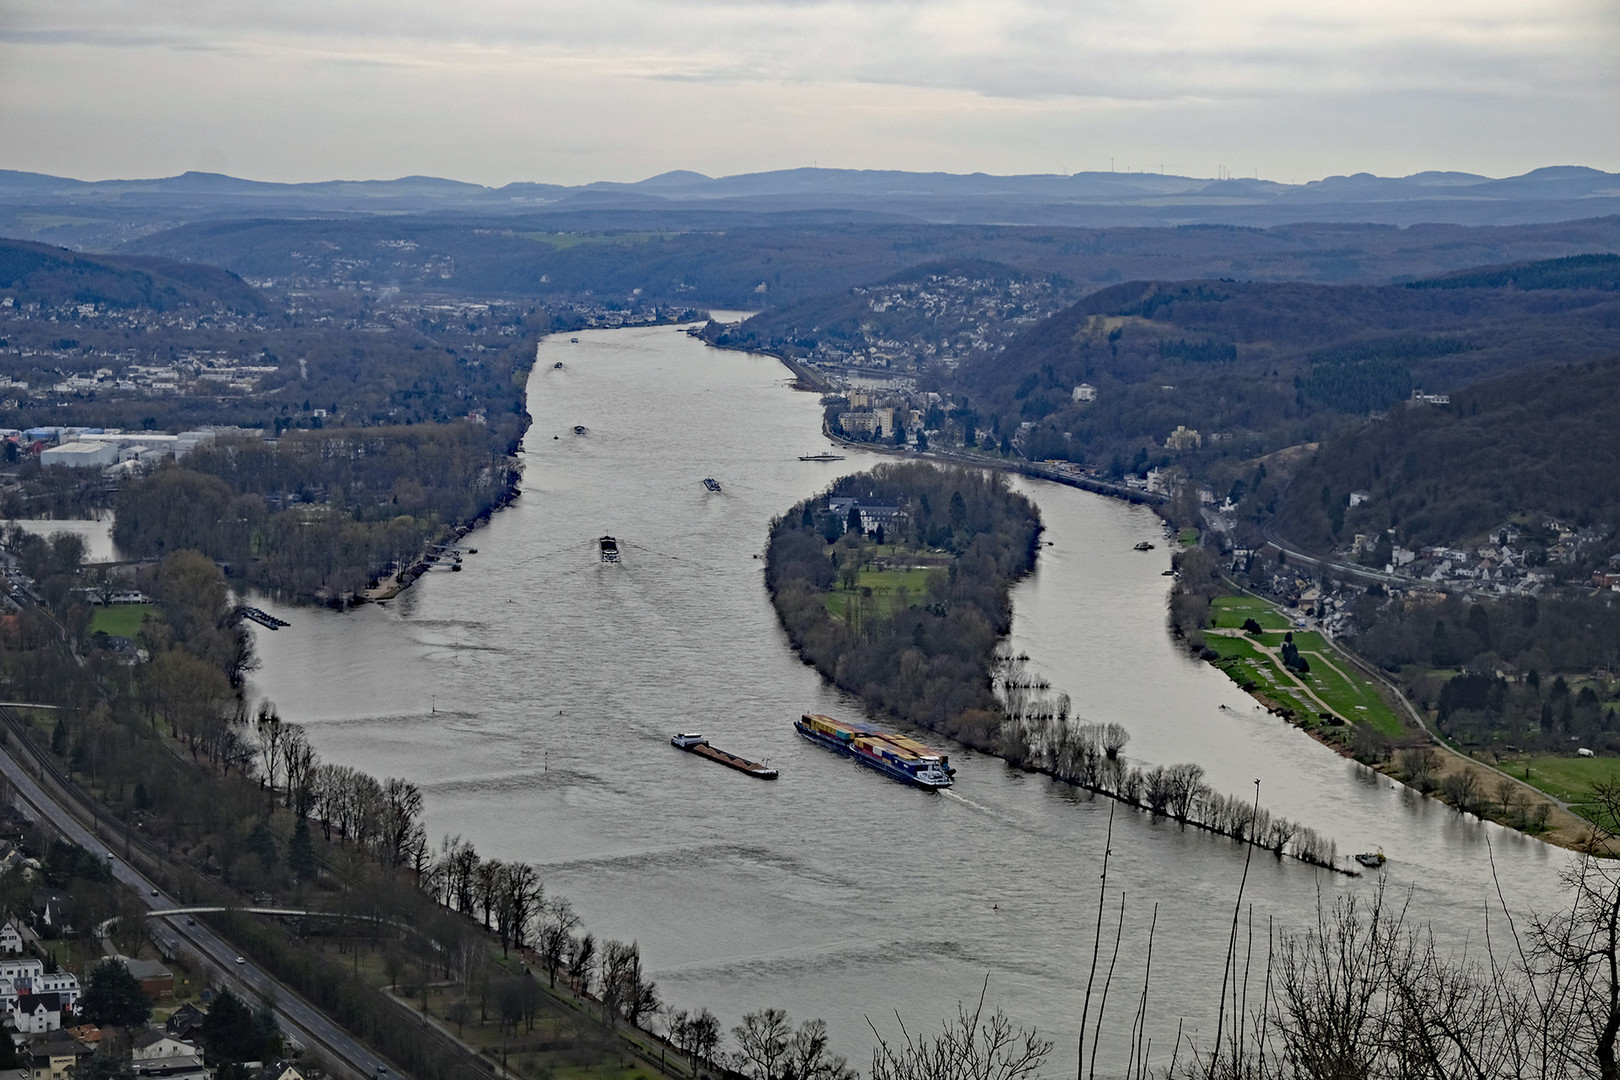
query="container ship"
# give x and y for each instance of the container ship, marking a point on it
(895, 756)
(693, 742)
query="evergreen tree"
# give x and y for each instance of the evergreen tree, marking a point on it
(112, 996)
(105, 1064)
(262, 842)
(228, 1033)
(301, 850)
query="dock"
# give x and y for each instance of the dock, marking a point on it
(263, 618)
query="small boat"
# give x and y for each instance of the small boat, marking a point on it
(1372, 859)
(557, 366)
(693, 742)
(573, 341)
(1144, 546)
(711, 483)
(609, 548)
(579, 429)
(823, 456)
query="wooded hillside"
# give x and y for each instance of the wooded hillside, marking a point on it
(1256, 366)
(43, 274)
(1541, 443)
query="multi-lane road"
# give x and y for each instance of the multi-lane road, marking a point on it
(344, 1054)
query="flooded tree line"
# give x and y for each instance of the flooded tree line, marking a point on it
(1040, 735)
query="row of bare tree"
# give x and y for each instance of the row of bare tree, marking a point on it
(1040, 735)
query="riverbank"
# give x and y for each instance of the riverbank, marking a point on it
(846, 602)
(1339, 695)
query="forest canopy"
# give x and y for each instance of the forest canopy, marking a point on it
(896, 584)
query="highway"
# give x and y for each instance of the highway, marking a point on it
(344, 1054)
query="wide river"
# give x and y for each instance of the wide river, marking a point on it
(532, 697)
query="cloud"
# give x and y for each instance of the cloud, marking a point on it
(1097, 69)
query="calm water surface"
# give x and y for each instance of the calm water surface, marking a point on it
(532, 696)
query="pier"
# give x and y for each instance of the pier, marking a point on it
(263, 618)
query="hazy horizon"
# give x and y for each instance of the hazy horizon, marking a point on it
(496, 91)
(358, 179)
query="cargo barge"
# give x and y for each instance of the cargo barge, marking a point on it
(694, 743)
(895, 756)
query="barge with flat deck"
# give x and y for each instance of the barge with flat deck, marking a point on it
(693, 742)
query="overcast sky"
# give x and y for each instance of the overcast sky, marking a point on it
(569, 91)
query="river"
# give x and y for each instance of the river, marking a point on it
(532, 696)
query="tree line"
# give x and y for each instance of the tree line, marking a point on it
(1041, 735)
(316, 515)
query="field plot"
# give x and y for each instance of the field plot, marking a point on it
(1228, 613)
(1334, 683)
(119, 620)
(884, 585)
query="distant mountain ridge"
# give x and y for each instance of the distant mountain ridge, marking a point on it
(1086, 199)
(1562, 181)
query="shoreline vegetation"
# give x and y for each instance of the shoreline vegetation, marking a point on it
(230, 804)
(1327, 692)
(896, 585)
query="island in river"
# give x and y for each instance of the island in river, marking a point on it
(896, 584)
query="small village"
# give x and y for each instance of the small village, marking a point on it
(144, 1016)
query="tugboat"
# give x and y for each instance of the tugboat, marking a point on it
(1372, 860)
(711, 483)
(609, 548)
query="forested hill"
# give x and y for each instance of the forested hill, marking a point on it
(723, 262)
(1535, 444)
(51, 276)
(1259, 365)
(949, 308)
(1595, 271)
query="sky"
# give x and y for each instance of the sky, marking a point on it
(570, 91)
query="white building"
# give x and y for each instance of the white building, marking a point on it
(1085, 392)
(80, 455)
(35, 1014)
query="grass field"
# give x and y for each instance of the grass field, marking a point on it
(1352, 697)
(883, 584)
(1332, 678)
(119, 620)
(1567, 778)
(1230, 611)
(1243, 663)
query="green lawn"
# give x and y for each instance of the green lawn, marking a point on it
(883, 584)
(1243, 663)
(1230, 611)
(1567, 778)
(1352, 697)
(1341, 690)
(119, 620)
